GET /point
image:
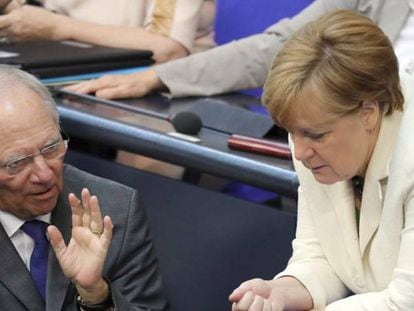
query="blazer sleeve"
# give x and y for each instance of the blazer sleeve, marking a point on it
(308, 263)
(242, 63)
(134, 279)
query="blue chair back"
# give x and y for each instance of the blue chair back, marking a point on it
(240, 18)
(237, 19)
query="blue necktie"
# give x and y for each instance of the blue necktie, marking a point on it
(36, 229)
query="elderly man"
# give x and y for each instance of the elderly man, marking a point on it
(93, 263)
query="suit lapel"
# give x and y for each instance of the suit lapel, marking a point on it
(371, 209)
(57, 283)
(15, 276)
(333, 209)
(343, 226)
(376, 177)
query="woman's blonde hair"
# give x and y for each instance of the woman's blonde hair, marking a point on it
(343, 55)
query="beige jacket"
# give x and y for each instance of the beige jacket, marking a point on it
(378, 266)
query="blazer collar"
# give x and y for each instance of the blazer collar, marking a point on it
(376, 178)
(341, 198)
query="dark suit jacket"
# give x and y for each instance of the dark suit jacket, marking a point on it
(130, 266)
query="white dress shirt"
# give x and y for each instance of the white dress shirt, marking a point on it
(23, 243)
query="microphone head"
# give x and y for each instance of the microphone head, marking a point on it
(186, 123)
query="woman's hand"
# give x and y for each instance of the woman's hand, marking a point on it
(256, 295)
(285, 293)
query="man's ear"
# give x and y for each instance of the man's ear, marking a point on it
(370, 114)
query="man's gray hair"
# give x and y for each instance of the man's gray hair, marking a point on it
(13, 77)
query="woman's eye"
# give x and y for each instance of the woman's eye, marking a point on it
(316, 136)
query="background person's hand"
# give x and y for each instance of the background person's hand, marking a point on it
(29, 23)
(120, 86)
(256, 295)
(82, 260)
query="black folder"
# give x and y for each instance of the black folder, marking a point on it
(225, 118)
(48, 59)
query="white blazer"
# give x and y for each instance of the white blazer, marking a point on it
(329, 257)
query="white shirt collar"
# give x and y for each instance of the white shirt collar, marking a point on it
(12, 224)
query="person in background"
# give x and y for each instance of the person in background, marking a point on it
(249, 59)
(335, 87)
(93, 263)
(170, 28)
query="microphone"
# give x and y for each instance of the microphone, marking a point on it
(186, 123)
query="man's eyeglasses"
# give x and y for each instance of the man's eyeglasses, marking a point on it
(50, 152)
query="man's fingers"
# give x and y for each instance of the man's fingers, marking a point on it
(76, 206)
(267, 306)
(107, 232)
(86, 212)
(96, 217)
(56, 240)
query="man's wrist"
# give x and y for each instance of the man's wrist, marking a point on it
(100, 292)
(102, 306)
(95, 302)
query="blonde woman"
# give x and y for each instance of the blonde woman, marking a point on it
(335, 87)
